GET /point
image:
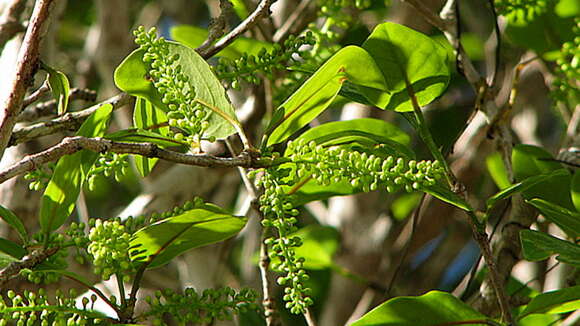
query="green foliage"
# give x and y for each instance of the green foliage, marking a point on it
(60, 88)
(432, 308)
(146, 115)
(539, 246)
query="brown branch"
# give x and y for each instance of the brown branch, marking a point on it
(36, 257)
(217, 26)
(71, 145)
(262, 10)
(37, 94)
(10, 24)
(70, 121)
(49, 108)
(26, 67)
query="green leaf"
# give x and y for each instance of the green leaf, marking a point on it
(430, 309)
(166, 239)
(363, 131)
(539, 246)
(529, 161)
(522, 186)
(575, 190)
(567, 220)
(554, 302)
(147, 115)
(445, 194)
(403, 53)
(143, 136)
(6, 260)
(60, 88)
(132, 77)
(59, 198)
(405, 204)
(497, 170)
(317, 93)
(194, 36)
(12, 248)
(15, 222)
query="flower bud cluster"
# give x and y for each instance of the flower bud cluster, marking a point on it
(521, 10)
(109, 248)
(247, 67)
(279, 212)
(185, 113)
(40, 177)
(190, 307)
(34, 308)
(108, 164)
(568, 70)
(368, 172)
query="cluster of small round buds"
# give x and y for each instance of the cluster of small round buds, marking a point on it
(109, 247)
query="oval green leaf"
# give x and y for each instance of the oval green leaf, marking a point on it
(405, 54)
(351, 63)
(160, 242)
(60, 88)
(430, 309)
(11, 219)
(132, 77)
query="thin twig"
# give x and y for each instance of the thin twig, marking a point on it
(49, 107)
(70, 121)
(26, 67)
(10, 24)
(414, 221)
(36, 95)
(217, 26)
(262, 10)
(71, 145)
(292, 22)
(29, 261)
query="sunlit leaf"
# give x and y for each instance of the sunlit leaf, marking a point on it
(59, 198)
(554, 302)
(147, 115)
(60, 88)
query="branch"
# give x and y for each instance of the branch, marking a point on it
(10, 24)
(36, 95)
(216, 26)
(71, 145)
(30, 261)
(262, 10)
(70, 121)
(50, 107)
(26, 66)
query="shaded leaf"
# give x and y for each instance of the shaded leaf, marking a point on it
(14, 221)
(132, 77)
(522, 186)
(12, 248)
(539, 246)
(59, 198)
(6, 260)
(403, 53)
(567, 220)
(166, 239)
(317, 93)
(146, 115)
(430, 309)
(529, 161)
(575, 190)
(554, 302)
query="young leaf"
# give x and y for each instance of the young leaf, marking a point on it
(554, 302)
(567, 220)
(132, 77)
(403, 53)
(317, 93)
(146, 115)
(194, 36)
(59, 198)
(158, 243)
(15, 222)
(60, 88)
(522, 186)
(433, 308)
(539, 246)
